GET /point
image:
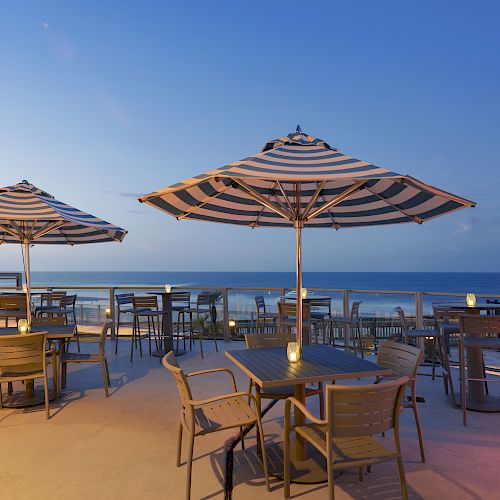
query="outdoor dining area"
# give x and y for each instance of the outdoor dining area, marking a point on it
(307, 404)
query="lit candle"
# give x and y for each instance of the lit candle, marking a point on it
(293, 352)
(108, 312)
(168, 288)
(470, 299)
(232, 323)
(304, 293)
(22, 326)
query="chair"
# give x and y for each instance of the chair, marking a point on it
(287, 316)
(201, 417)
(256, 341)
(96, 357)
(12, 306)
(404, 360)
(354, 323)
(181, 304)
(263, 316)
(145, 307)
(345, 438)
(124, 305)
(23, 357)
(49, 300)
(320, 317)
(476, 333)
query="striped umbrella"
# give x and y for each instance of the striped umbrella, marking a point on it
(301, 181)
(29, 215)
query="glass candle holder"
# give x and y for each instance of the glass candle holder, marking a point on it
(168, 288)
(22, 326)
(293, 352)
(108, 312)
(304, 293)
(470, 298)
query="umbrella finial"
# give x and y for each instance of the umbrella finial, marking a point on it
(298, 130)
(24, 181)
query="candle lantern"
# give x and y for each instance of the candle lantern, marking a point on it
(470, 299)
(293, 352)
(22, 326)
(168, 288)
(304, 293)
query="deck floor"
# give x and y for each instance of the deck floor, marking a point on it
(124, 446)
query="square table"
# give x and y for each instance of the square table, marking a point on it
(269, 367)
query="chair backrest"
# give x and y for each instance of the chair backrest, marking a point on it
(51, 298)
(204, 299)
(479, 326)
(260, 304)
(355, 311)
(170, 363)
(364, 410)
(402, 359)
(184, 297)
(145, 301)
(22, 354)
(47, 320)
(327, 303)
(104, 333)
(13, 302)
(404, 324)
(123, 299)
(257, 340)
(288, 310)
(67, 301)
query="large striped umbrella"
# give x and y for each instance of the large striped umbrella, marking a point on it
(29, 215)
(300, 181)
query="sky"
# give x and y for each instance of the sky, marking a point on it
(101, 102)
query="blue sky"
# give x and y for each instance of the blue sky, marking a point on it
(103, 101)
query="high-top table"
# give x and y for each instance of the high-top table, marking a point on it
(269, 367)
(32, 397)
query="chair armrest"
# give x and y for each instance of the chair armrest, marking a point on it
(201, 402)
(214, 370)
(302, 408)
(85, 337)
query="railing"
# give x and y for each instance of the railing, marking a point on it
(238, 303)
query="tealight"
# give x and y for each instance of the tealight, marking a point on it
(22, 326)
(470, 299)
(168, 288)
(293, 352)
(304, 293)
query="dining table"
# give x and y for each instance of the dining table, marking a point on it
(32, 397)
(269, 367)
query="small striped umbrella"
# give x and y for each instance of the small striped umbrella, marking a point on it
(29, 215)
(301, 181)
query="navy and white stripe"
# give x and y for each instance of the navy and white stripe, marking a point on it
(27, 210)
(304, 162)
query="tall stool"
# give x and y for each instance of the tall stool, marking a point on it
(146, 307)
(263, 316)
(124, 305)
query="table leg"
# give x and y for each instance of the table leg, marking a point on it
(475, 369)
(300, 447)
(167, 340)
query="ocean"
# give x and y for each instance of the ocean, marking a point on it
(242, 302)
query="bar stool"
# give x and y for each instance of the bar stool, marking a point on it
(49, 300)
(124, 305)
(319, 317)
(181, 303)
(263, 316)
(145, 307)
(354, 323)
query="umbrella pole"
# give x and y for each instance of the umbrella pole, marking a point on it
(26, 246)
(298, 254)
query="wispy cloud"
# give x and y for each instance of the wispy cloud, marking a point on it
(462, 227)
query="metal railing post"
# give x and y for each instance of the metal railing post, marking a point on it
(227, 333)
(112, 310)
(346, 313)
(419, 316)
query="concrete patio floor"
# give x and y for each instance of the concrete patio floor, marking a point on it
(124, 446)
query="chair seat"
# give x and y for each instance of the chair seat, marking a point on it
(347, 451)
(147, 312)
(180, 308)
(414, 334)
(224, 414)
(285, 391)
(125, 311)
(449, 327)
(79, 356)
(340, 319)
(482, 343)
(269, 315)
(13, 376)
(320, 315)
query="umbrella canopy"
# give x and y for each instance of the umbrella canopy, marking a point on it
(301, 181)
(29, 215)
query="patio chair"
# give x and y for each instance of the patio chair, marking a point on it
(12, 307)
(264, 316)
(353, 322)
(287, 317)
(181, 304)
(476, 333)
(124, 305)
(218, 413)
(404, 360)
(145, 307)
(95, 357)
(321, 313)
(345, 438)
(24, 357)
(49, 300)
(254, 341)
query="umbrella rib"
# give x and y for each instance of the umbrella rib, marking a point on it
(263, 200)
(414, 218)
(313, 199)
(202, 204)
(285, 196)
(335, 225)
(339, 199)
(50, 226)
(7, 230)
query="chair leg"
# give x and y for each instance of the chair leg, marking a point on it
(321, 402)
(179, 445)
(418, 424)
(433, 358)
(402, 478)
(149, 333)
(104, 378)
(463, 382)
(107, 371)
(263, 449)
(117, 331)
(132, 341)
(189, 466)
(214, 330)
(54, 377)
(46, 390)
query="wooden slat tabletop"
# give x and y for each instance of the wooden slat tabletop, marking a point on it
(54, 332)
(269, 367)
